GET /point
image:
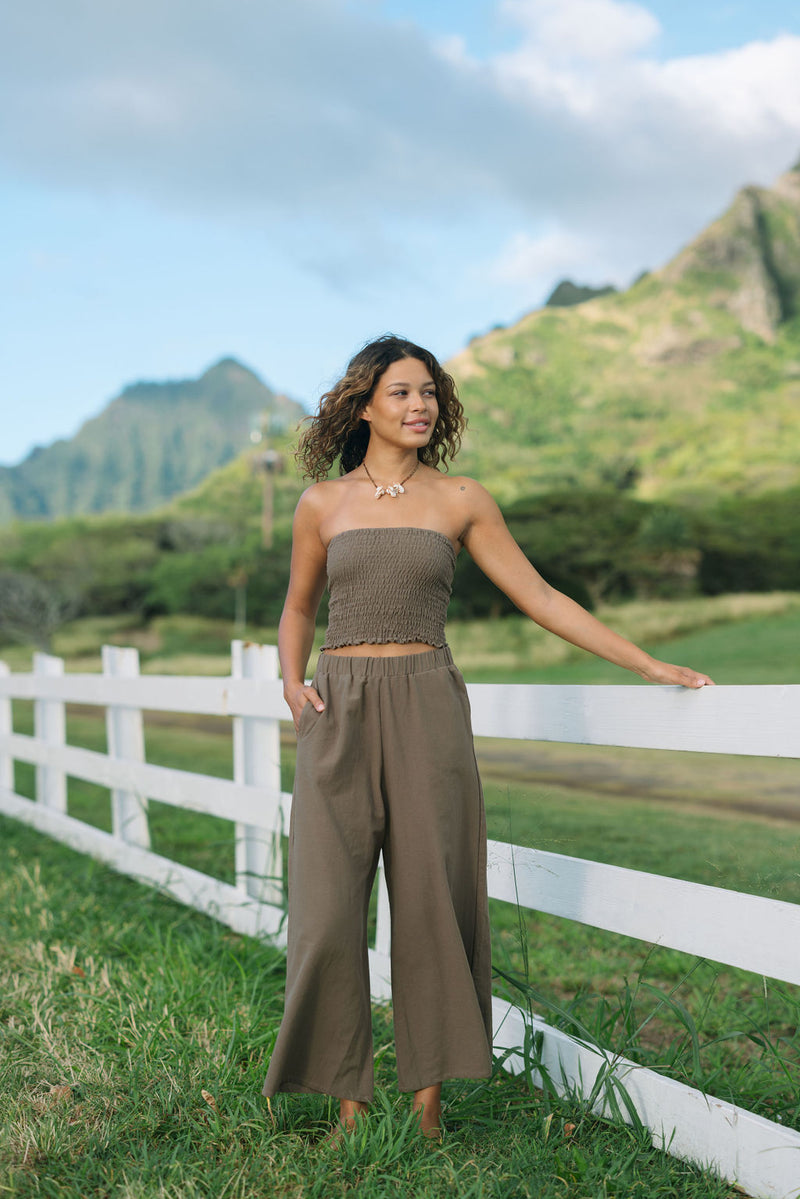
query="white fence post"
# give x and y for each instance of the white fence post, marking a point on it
(380, 971)
(125, 735)
(383, 919)
(257, 761)
(49, 723)
(6, 727)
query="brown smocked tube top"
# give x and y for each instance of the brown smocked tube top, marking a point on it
(388, 585)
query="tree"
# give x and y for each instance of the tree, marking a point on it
(31, 610)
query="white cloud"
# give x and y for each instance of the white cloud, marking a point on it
(268, 108)
(318, 114)
(744, 94)
(739, 95)
(656, 148)
(534, 261)
(585, 30)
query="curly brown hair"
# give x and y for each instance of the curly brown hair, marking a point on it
(337, 430)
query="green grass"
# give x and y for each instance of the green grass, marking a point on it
(135, 1122)
(741, 638)
(737, 639)
(135, 1037)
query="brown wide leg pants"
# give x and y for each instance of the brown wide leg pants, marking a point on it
(389, 764)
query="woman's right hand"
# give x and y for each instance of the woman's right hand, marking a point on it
(297, 698)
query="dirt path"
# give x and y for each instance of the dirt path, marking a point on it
(716, 783)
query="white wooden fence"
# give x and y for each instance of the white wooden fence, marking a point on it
(761, 935)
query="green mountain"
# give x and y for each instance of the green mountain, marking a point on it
(685, 386)
(152, 442)
(566, 293)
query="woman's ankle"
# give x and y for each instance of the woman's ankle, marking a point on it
(428, 1106)
(350, 1110)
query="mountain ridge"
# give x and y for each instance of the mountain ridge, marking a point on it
(684, 384)
(151, 442)
(683, 387)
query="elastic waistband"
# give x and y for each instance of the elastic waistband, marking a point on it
(373, 667)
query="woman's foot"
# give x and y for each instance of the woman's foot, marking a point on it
(349, 1112)
(428, 1105)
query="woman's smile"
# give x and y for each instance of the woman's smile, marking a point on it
(405, 392)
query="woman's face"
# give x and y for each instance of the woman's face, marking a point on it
(403, 408)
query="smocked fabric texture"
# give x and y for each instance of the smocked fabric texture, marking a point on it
(388, 585)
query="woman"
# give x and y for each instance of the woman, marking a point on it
(385, 757)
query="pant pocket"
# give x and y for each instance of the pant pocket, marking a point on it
(309, 718)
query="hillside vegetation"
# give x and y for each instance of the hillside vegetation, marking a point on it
(684, 386)
(204, 554)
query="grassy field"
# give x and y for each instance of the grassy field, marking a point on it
(137, 1006)
(135, 1039)
(744, 638)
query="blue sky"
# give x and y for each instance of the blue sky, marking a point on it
(190, 179)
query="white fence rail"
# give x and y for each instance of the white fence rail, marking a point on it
(747, 931)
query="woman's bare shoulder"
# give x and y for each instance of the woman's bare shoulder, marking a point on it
(467, 503)
(317, 495)
(311, 507)
(469, 492)
(318, 503)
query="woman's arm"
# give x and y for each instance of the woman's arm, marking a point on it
(306, 585)
(495, 551)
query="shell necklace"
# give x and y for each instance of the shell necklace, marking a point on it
(392, 489)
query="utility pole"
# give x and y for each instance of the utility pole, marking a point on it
(269, 462)
(238, 581)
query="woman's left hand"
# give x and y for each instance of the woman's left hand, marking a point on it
(681, 676)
